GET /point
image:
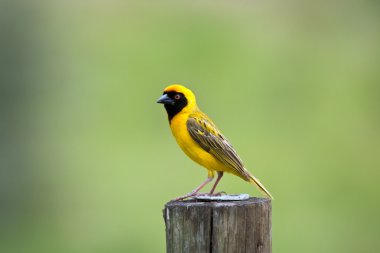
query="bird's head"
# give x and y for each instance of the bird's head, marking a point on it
(177, 98)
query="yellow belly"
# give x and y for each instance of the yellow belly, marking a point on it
(192, 148)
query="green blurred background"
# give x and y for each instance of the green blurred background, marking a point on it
(88, 161)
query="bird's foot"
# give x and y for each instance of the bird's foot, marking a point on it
(196, 194)
(186, 196)
(217, 194)
(211, 194)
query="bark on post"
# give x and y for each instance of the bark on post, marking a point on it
(216, 227)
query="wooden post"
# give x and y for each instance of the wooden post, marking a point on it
(217, 227)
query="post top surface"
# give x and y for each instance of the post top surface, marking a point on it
(197, 202)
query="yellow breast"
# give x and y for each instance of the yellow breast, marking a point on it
(189, 146)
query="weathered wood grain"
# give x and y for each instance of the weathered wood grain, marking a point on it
(218, 227)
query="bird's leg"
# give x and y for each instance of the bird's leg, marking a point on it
(210, 177)
(220, 175)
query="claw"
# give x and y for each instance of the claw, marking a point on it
(219, 193)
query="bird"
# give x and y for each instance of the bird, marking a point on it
(202, 141)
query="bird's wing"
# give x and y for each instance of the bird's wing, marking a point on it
(206, 134)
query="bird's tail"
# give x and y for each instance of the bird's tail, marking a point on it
(259, 185)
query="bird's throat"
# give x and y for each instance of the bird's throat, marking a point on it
(173, 110)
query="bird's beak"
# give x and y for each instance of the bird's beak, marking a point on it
(164, 99)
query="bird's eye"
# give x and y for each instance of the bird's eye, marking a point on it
(177, 96)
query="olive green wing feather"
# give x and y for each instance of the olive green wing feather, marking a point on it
(206, 134)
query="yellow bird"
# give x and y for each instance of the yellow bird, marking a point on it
(201, 140)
